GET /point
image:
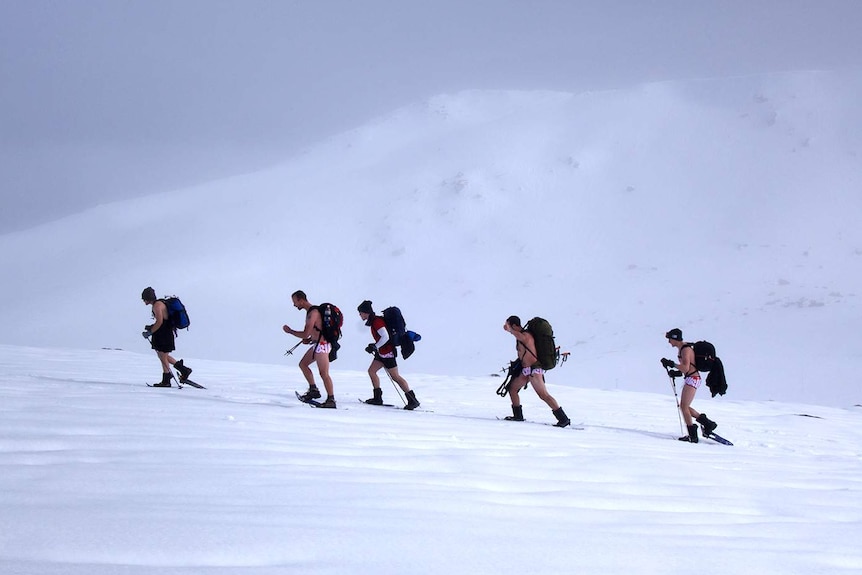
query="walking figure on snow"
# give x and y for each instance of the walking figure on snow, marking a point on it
(687, 367)
(385, 353)
(528, 369)
(161, 334)
(322, 350)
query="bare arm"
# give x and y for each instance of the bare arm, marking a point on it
(308, 333)
(525, 341)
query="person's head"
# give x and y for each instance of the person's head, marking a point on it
(365, 310)
(300, 300)
(513, 321)
(148, 295)
(674, 337)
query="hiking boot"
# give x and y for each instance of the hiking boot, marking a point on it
(517, 414)
(706, 423)
(692, 434)
(377, 399)
(562, 420)
(312, 393)
(166, 381)
(328, 404)
(185, 372)
(412, 402)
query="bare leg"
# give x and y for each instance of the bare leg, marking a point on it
(538, 381)
(322, 360)
(402, 383)
(305, 366)
(372, 373)
(687, 396)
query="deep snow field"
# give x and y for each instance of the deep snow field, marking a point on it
(100, 474)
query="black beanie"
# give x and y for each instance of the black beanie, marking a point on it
(365, 307)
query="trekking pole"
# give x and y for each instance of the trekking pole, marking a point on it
(397, 389)
(290, 351)
(672, 374)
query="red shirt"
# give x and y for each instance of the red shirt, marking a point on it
(376, 324)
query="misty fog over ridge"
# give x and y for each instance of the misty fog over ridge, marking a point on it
(106, 100)
(726, 207)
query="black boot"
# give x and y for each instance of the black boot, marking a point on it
(562, 420)
(377, 399)
(166, 380)
(412, 402)
(329, 403)
(312, 393)
(185, 372)
(692, 434)
(706, 423)
(517, 414)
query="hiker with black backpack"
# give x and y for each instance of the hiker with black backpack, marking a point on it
(161, 334)
(532, 370)
(323, 349)
(385, 352)
(687, 367)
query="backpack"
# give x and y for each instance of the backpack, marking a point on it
(398, 332)
(395, 325)
(704, 355)
(706, 360)
(332, 321)
(177, 314)
(543, 335)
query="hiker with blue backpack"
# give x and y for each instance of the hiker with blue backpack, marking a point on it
(531, 365)
(162, 333)
(385, 352)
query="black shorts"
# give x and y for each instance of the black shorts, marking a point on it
(163, 339)
(388, 362)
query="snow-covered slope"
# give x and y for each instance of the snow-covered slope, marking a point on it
(728, 208)
(102, 475)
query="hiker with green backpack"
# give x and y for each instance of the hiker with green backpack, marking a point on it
(536, 354)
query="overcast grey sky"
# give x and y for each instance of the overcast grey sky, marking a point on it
(107, 99)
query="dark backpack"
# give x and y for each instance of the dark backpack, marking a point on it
(398, 333)
(332, 319)
(704, 355)
(177, 314)
(543, 335)
(395, 324)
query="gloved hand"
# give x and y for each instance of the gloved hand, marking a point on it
(667, 363)
(675, 373)
(146, 333)
(370, 348)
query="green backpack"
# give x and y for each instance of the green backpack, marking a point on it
(546, 349)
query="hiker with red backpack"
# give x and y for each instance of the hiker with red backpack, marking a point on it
(324, 345)
(687, 367)
(161, 334)
(385, 353)
(532, 369)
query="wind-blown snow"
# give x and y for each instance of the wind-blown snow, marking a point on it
(728, 208)
(101, 475)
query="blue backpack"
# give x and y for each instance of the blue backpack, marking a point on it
(177, 314)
